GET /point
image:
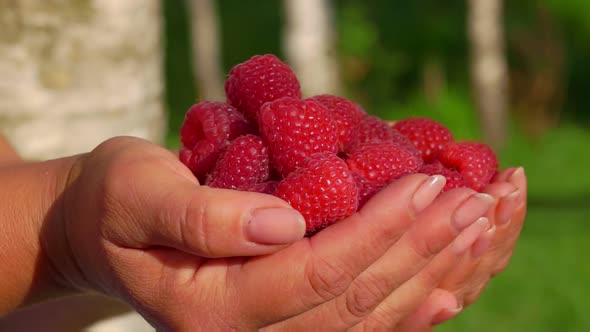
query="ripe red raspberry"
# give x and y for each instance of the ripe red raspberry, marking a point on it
(261, 79)
(346, 114)
(427, 135)
(244, 163)
(201, 158)
(372, 129)
(295, 129)
(207, 129)
(475, 161)
(214, 121)
(381, 163)
(323, 190)
(365, 187)
(454, 178)
(268, 187)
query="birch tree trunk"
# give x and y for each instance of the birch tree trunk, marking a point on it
(74, 73)
(205, 42)
(310, 45)
(489, 68)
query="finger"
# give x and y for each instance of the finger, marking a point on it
(475, 269)
(414, 292)
(434, 229)
(320, 268)
(469, 280)
(170, 211)
(512, 228)
(469, 272)
(438, 308)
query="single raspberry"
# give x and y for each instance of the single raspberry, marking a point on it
(268, 187)
(365, 187)
(346, 114)
(381, 163)
(454, 178)
(295, 129)
(244, 163)
(477, 162)
(427, 135)
(261, 79)
(372, 129)
(207, 129)
(323, 190)
(201, 158)
(214, 121)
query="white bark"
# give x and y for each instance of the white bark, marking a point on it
(205, 42)
(489, 68)
(74, 73)
(310, 46)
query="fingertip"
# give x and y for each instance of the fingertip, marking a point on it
(402, 189)
(470, 235)
(451, 307)
(427, 192)
(445, 315)
(482, 244)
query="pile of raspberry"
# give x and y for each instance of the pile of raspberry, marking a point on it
(324, 155)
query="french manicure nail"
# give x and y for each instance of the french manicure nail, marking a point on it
(427, 192)
(473, 208)
(507, 206)
(505, 176)
(469, 236)
(445, 314)
(275, 226)
(483, 243)
(515, 176)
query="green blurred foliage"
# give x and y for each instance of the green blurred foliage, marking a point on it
(383, 48)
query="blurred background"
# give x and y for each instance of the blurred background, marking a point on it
(510, 73)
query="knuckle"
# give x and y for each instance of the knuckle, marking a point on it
(365, 294)
(326, 280)
(196, 224)
(381, 320)
(425, 248)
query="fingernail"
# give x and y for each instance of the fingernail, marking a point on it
(473, 208)
(427, 192)
(515, 176)
(483, 242)
(275, 226)
(505, 176)
(506, 207)
(445, 314)
(468, 237)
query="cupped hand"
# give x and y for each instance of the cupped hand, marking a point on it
(488, 257)
(138, 226)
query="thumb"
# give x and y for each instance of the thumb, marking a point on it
(212, 222)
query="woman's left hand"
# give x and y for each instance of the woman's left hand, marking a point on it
(487, 258)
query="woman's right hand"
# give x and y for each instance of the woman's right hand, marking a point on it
(135, 224)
